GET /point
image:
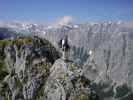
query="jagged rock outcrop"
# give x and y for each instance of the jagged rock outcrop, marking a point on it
(67, 83)
(33, 73)
(26, 62)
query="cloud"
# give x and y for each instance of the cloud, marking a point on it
(65, 20)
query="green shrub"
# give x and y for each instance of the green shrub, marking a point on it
(83, 97)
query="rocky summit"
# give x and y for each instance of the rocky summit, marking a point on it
(67, 83)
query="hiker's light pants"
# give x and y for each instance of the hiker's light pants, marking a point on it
(65, 55)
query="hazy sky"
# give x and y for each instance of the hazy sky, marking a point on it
(44, 11)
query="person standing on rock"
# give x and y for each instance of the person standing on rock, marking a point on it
(63, 44)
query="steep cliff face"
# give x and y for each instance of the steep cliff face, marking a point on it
(25, 64)
(112, 59)
(112, 46)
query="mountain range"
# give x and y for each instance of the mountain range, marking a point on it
(109, 67)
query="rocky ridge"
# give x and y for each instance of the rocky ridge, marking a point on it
(30, 70)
